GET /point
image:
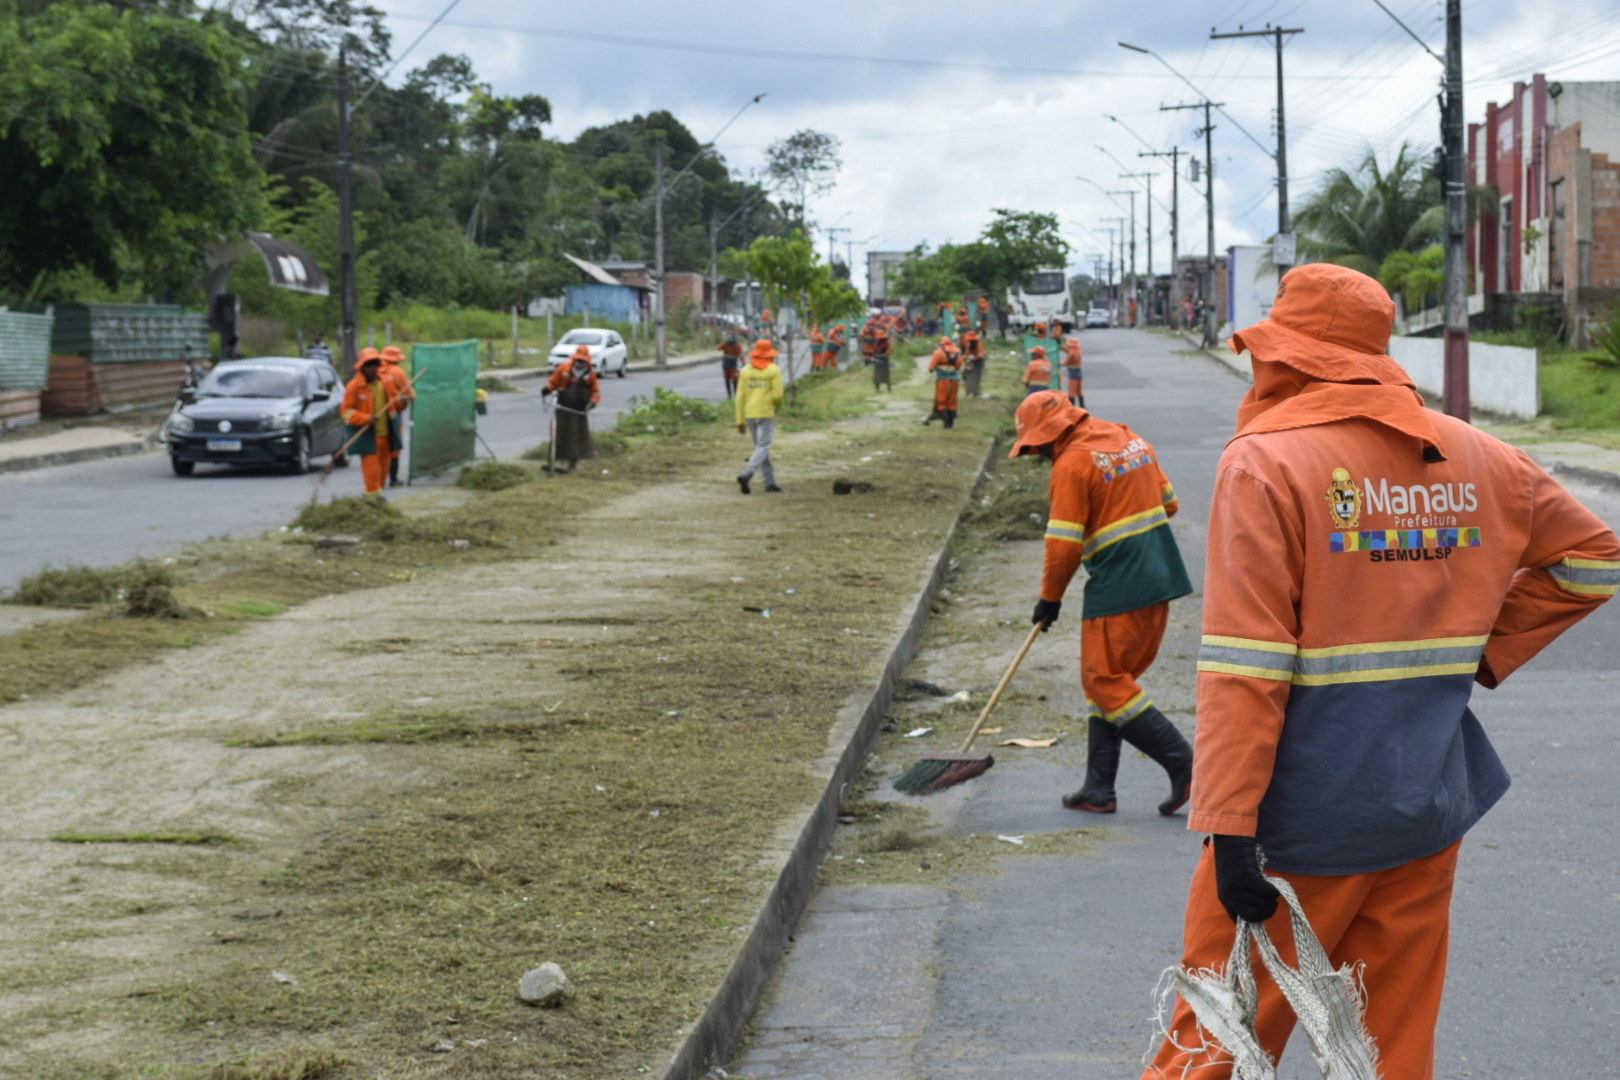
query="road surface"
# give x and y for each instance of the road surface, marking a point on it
(99, 513)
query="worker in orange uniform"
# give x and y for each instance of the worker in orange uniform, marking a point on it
(835, 345)
(730, 360)
(1111, 509)
(1072, 371)
(578, 392)
(1040, 329)
(1038, 372)
(963, 321)
(1369, 561)
(881, 347)
(946, 364)
(366, 410)
(984, 314)
(972, 361)
(402, 393)
(818, 349)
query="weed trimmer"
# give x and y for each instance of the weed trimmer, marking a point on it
(326, 470)
(943, 770)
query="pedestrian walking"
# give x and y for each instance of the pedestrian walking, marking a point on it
(972, 361)
(578, 392)
(318, 348)
(365, 409)
(1072, 371)
(1370, 560)
(730, 360)
(946, 364)
(1111, 508)
(758, 397)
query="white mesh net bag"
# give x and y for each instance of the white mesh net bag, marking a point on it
(1327, 1001)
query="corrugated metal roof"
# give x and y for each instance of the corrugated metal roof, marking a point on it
(25, 350)
(596, 272)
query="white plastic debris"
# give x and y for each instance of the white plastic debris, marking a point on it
(917, 733)
(1019, 840)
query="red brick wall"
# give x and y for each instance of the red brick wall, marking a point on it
(1561, 147)
(681, 286)
(1605, 222)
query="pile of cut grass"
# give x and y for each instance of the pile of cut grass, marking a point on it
(492, 476)
(84, 586)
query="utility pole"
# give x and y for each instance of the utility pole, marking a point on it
(831, 237)
(1456, 283)
(1209, 210)
(662, 346)
(1147, 178)
(349, 333)
(1283, 247)
(1174, 154)
(1134, 284)
(1117, 238)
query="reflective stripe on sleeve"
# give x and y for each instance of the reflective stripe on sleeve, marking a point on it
(1072, 531)
(1247, 656)
(1588, 577)
(1168, 492)
(1124, 528)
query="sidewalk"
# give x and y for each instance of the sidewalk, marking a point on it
(675, 364)
(66, 447)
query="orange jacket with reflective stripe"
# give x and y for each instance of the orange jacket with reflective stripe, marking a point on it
(1369, 561)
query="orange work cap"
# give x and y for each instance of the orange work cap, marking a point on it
(946, 341)
(1038, 352)
(368, 354)
(392, 355)
(1043, 418)
(763, 350)
(1329, 322)
(583, 352)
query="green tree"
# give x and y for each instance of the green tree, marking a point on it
(928, 279)
(805, 163)
(124, 147)
(1358, 217)
(831, 297)
(1013, 246)
(787, 268)
(1415, 275)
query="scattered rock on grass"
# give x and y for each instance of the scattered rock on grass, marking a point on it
(845, 486)
(545, 986)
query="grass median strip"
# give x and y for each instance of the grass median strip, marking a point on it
(585, 748)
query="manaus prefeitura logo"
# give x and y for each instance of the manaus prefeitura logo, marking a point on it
(1344, 500)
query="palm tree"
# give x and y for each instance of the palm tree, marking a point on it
(1359, 217)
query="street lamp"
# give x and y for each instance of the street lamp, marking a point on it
(660, 189)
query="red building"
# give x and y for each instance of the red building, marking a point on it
(1552, 154)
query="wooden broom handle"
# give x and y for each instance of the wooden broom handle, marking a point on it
(1002, 685)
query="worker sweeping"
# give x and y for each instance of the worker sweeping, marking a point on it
(972, 361)
(881, 346)
(758, 397)
(818, 349)
(835, 345)
(402, 393)
(1370, 560)
(578, 392)
(366, 411)
(730, 361)
(1038, 372)
(1073, 376)
(946, 364)
(1111, 509)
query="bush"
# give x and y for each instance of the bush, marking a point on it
(1606, 336)
(666, 413)
(83, 586)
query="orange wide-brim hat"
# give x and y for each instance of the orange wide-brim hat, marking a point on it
(763, 350)
(1331, 323)
(1043, 418)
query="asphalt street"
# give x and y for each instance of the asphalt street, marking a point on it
(102, 512)
(1046, 966)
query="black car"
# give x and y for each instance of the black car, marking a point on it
(275, 410)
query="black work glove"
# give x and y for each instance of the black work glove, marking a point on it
(545, 391)
(1046, 612)
(1239, 882)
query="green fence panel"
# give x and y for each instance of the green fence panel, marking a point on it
(444, 420)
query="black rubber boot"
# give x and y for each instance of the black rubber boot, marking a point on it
(950, 419)
(1158, 738)
(1102, 765)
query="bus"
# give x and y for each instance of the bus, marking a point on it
(1043, 298)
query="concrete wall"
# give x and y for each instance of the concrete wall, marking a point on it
(1502, 379)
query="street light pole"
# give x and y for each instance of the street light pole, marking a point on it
(1135, 285)
(1282, 249)
(349, 330)
(1174, 154)
(1146, 178)
(1209, 210)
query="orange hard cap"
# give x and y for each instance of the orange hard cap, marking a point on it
(1330, 322)
(1042, 419)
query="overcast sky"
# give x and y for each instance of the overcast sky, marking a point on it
(949, 108)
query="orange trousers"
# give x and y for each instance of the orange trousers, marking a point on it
(1396, 922)
(1115, 651)
(374, 467)
(945, 392)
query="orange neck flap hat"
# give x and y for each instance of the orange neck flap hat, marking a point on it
(1043, 419)
(392, 355)
(763, 354)
(1321, 356)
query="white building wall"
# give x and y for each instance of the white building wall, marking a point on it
(1502, 379)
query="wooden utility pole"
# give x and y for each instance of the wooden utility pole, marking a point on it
(658, 254)
(1174, 154)
(1209, 210)
(1283, 247)
(348, 334)
(1456, 282)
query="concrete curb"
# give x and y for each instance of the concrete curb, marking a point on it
(69, 457)
(713, 1037)
(1600, 477)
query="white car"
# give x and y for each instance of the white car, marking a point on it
(608, 351)
(1097, 317)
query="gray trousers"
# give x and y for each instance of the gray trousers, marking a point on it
(763, 432)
